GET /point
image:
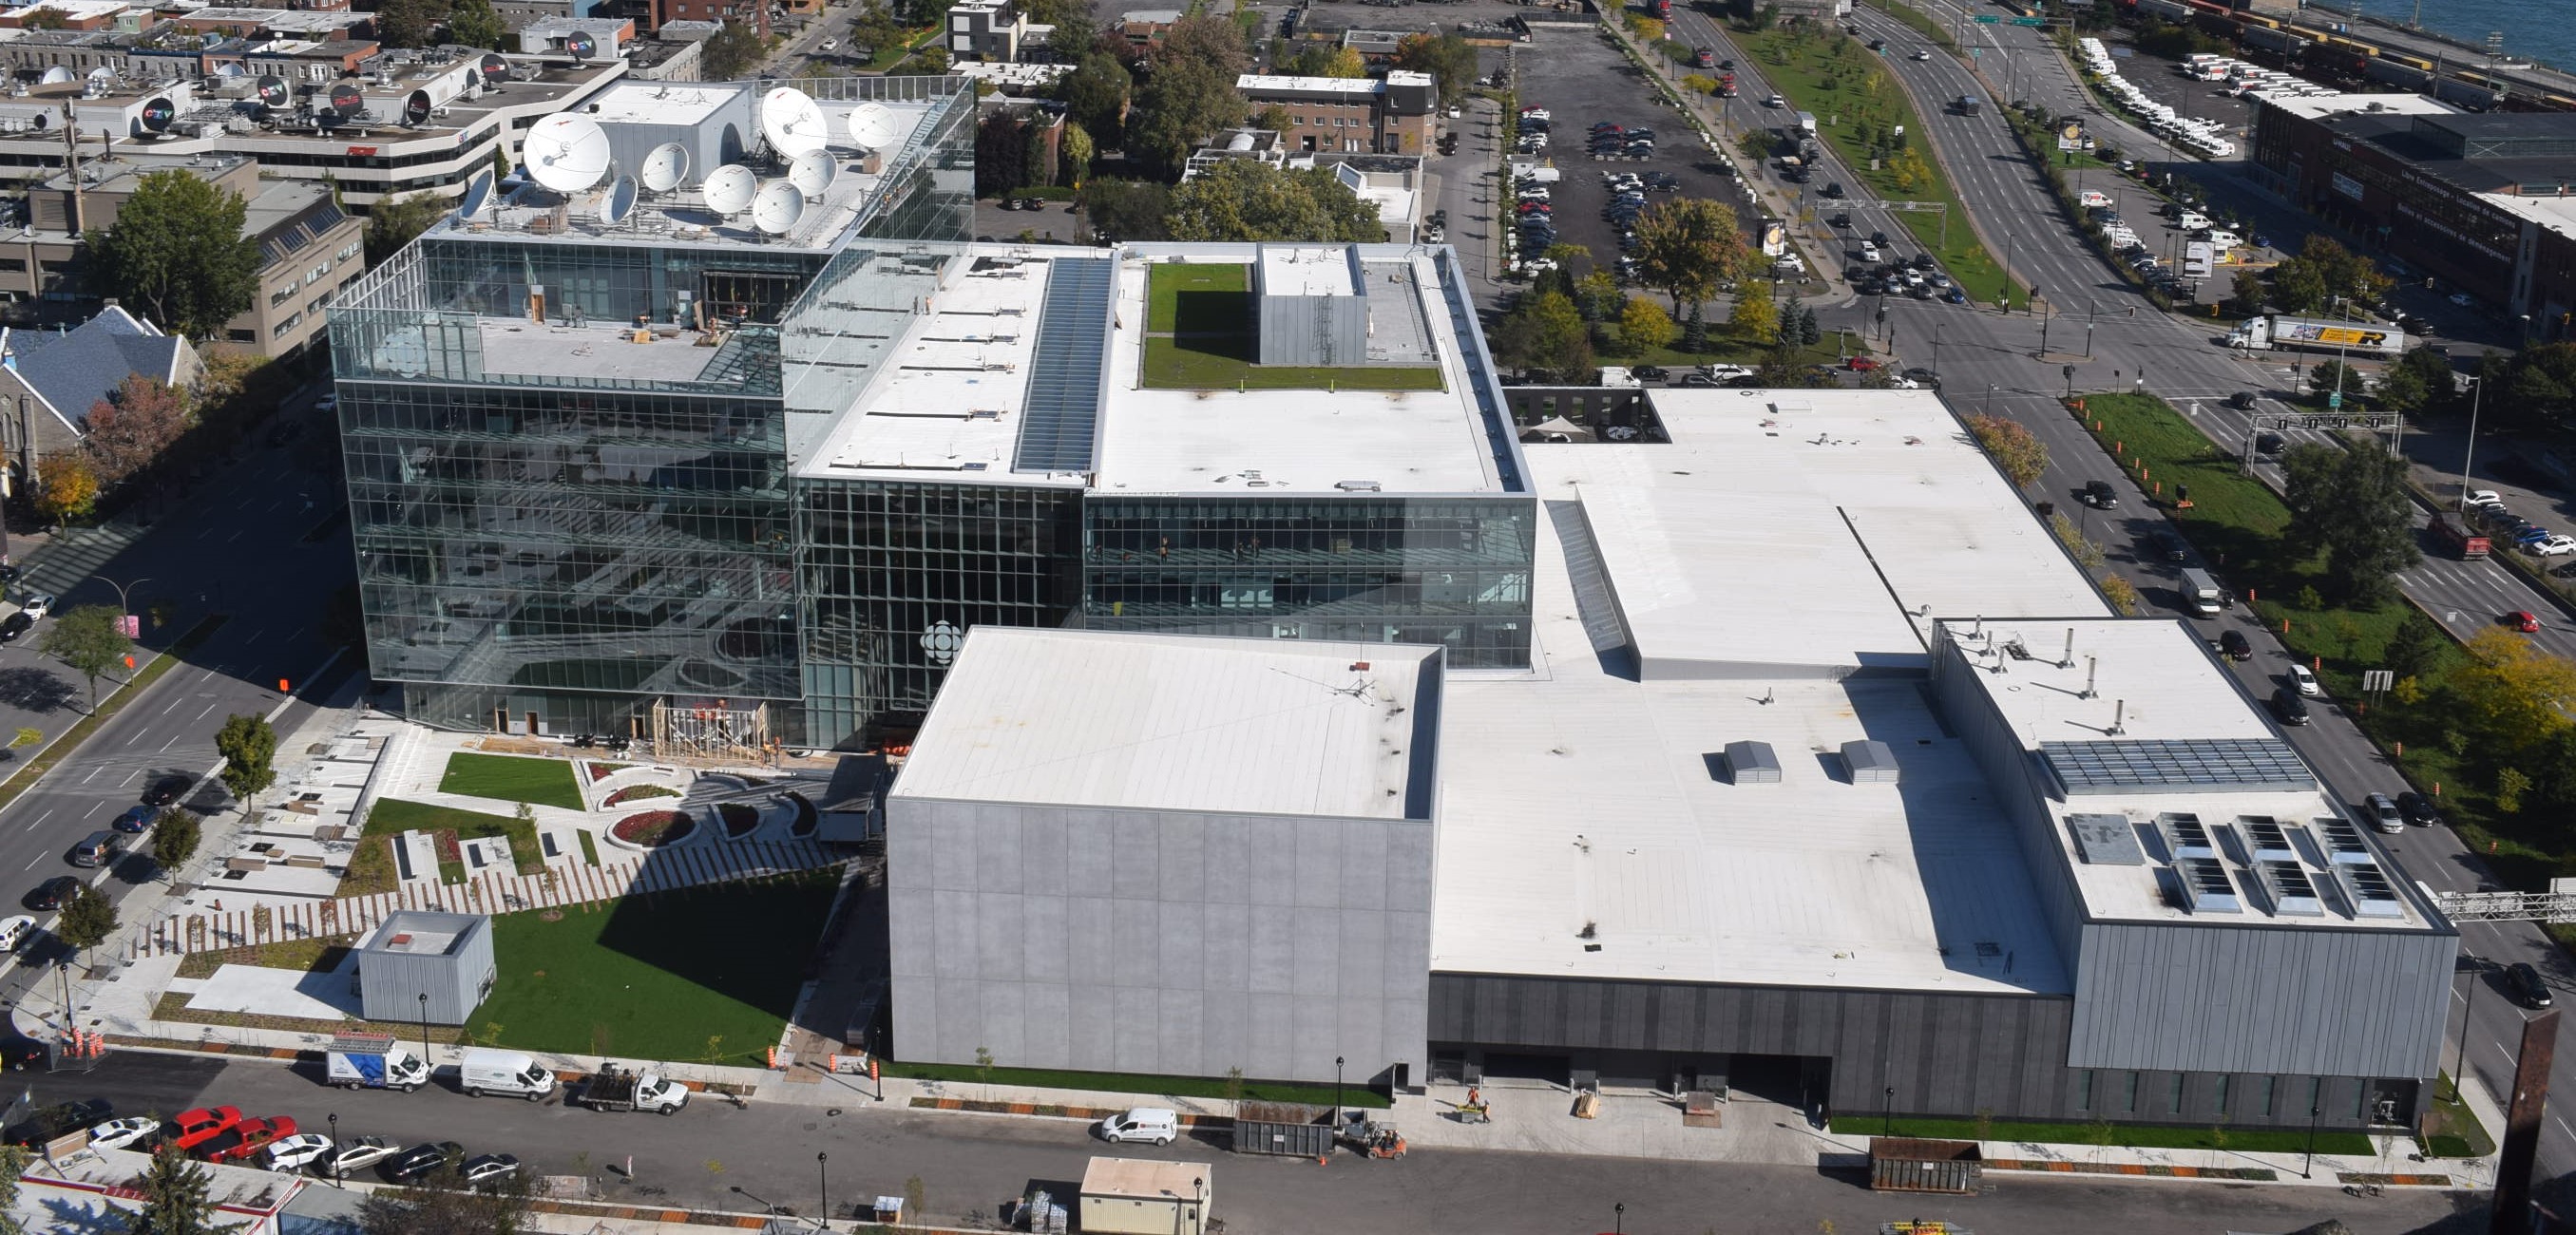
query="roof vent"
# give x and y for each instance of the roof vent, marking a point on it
(2294, 895)
(2370, 892)
(2341, 840)
(2265, 841)
(1356, 486)
(2106, 840)
(2184, 836)
(1751, 763)
(2205, 887)
(1869, 762)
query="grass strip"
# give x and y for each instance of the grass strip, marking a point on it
(2451, 1129)
(317, 954)
(390, 816)
(512, 778)
(589, 847)
(1120, 1082)
(2106, 1134)
(64, 746)
(1219, 362)
(173, 1006)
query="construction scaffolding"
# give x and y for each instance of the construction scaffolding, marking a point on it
(711, 734)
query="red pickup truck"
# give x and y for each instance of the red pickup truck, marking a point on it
(247, 1138)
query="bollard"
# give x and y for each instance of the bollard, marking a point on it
(2285, 626)
(2160, 488)
(2316, 662)
(2401, 750)
(2437, 788)
(2249, 596)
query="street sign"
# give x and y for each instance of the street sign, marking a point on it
(2378, 679)
(2030, 21)
(1986, 19)
(2334, 400)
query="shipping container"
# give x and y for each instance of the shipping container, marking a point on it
(1282, 1128)
(1904, 1164)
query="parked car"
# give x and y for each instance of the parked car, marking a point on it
(2381, 811)
(46, 1123)
(2418, 809)
(38, 606)
(54, 893)
(421, 1161)
(2484, 497)
(2527, 986)
(1152, 1124)
(15, 933)
(1860, 364)
(360, 1153)
(135, 819)
(14, 625)
(245, 1139)
(485, 1169)
(294, 1153)
(131, 1132)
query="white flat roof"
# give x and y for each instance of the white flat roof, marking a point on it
(2156, 681)
(1306, 270)
(1297, 441)
(1272, 83)
(664, 102)
(2315, 106)
(1169, 722)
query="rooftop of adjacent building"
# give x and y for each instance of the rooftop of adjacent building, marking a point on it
(2523, 163)
(416, 932)
(1008, 348)
(1160, 722)
(1261, 84)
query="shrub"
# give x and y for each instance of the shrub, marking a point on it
(654, 827)
(638, 793)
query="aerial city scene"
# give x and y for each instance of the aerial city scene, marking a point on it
(1690, 617)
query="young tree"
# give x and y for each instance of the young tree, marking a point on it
(1644, 326)
(2416, 647)
(1449, 59)
(13, 1163)
(2402, 390)
(1754, 318)
(2246, 293)
(2018, 451)
(2297, 286)
(174, 1198)
(2332, 375)
(177, 254)
(87, 920)
(68, 490)
(2514, 688)
(475, 24)
(1810, 333)
(731, 51)
(249, 748)
(393, 224)
(1686, 247)
(88, 639)
(175, 836)
(129, 429)
(1077, 155)
(2353, 502)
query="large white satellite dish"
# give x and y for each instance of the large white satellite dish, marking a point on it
(777, 207)
(792, 122)
(566, 152)
(56, 76)
(875, 126)
(813, 173)
(665, 166)
(728, 188)
(477, 195)
(619, 203)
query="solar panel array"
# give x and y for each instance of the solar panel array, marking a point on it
(2180, 765)
(1061, 417)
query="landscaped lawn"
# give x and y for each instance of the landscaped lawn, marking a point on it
(1198, 297)
(392, 815)
(2144, 1136)
(511, 778)
(1224, 363)
(662, 975)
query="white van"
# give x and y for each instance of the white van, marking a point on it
(485, 1071)
(1145, 1123)
(2192, 221)
(2223, 240)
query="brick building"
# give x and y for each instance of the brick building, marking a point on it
(1349, 115)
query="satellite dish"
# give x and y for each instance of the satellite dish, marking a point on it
(158, 113)
(665, 166)
(875, 126)
(580, 46)
(777, 207)
(619, 203)
(813, 173)
(792, 122)
(478, 193)
(346, 100)
(728, 188)
(416, 108)
(495, 69)
(566, 152)
(272, 91)
(57, 75)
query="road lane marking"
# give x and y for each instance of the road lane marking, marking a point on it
(31, 862)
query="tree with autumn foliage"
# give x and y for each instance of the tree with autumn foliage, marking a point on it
(130, 428)
(2018, 451)
(68, 488)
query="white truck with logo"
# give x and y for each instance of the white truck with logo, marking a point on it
(2263, 334)
(373, 1061)
(486, 1071)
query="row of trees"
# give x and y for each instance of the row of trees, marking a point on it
(426, 23)
(1236, 200)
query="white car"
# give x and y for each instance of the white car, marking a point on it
(124, 1133)
(1727, 372)
(1539, 114)
(1533, 193)
(296, 1152)
(2553, 546)
(488, 1168)
(1775, 101)
(38, 606)
(15, 932)
(831, 44)
(360, 1153)
(2306, 681)
(2485, 497)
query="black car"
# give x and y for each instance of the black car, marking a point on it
(421, 1161)
(53, 1121)
(1841, 219)
(18, 624)
(2242, 400)
(2418, 809)
(2268, 443)
(2099, 495)
(1649, 373)
(2235, 646)
(1925, 261)
(2169, 544)
(1879, 239)
(54, 893)
(1833, 188)
(2287, 704)
(167, 790)
(2526, 985)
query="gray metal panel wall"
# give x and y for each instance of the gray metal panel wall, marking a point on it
(1314, 330)
(1158, 941)
(390, 984)
(2221, 998)
(2016, 776)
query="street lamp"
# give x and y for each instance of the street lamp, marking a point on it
(823, 1190)
(424, 1027)
(2475, 398)
(1337, 1089)
(756, 1198)
(121, 590)
(2477, 970)
(2315, 1109)
(334, 1117)
(1619, 1218)
(1887, 1111)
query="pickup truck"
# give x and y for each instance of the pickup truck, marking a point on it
(622, 1089)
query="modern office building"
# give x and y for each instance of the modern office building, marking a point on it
(1833, 841)
(603, 475)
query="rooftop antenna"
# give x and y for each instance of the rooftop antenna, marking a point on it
(2068, 661)
(2119, 712)
(2092, 664)
(566, 152)
(777, 207)
(728, 189)
(665, 166)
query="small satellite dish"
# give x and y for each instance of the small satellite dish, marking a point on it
(272, 91)
(813, 173)
(495, 69)
(478, 193)
(57, 75)
(792, 122)
(566, 152)
(619, 203)
(580, 46)
(665, 166)
(728, 188)
(158, 113)
(416, 108)
(875, 126)
(346, 100)
(777, 207)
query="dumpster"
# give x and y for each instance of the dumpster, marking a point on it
(1282, 1128)
(1905, 1164)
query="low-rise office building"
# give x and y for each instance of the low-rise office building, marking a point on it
(1353, 115)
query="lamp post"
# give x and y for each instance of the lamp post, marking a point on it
(2475, 398)
(424, 1027)
(2044, 316)
(2088, 340)
(823, 1191)
(1887, 1111)
(1337, 1089)
(2006, 294)
(1619, 1217)
(2315, 1109)
(334, 1117)
(755, 1198)
(2477, 970)
(1198, 1207)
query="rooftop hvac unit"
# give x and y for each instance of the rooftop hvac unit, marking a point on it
(1751, 763)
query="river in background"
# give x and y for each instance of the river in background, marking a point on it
(2543, 30)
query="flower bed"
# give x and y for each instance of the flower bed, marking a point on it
(740, 819)
(595, 771)
(653, 828)
(637, 793)
(806, 818)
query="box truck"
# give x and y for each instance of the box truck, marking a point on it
(486, 1071)
(2200, 592)
(373, 1061)
(2263, 334)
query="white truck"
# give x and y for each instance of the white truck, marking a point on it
(373, 1061)
(486, 1071)
(2200, 593)
(623, 1089)
(2263, 334)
